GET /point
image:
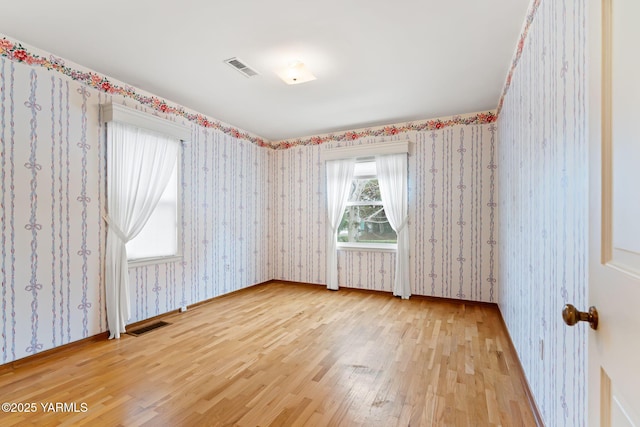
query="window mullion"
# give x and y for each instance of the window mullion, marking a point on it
(365, 203)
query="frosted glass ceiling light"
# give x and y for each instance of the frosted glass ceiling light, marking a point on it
(296, 73)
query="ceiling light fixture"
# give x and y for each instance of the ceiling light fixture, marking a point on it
(296, 73)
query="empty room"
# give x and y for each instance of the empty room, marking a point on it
(356, 213)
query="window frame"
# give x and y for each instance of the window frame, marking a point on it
(379, 147)
(366, 246)
(178, 256)
(112, 112)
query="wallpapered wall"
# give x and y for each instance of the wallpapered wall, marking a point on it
(452, 221)
(543, 207)
(52, 197)
(227, 231)
(250, 213)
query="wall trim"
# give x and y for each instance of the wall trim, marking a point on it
(389, 293)
(113, 112)
(364, 150)
(22, 53)
(193, 306)
(537, 415)
(52, 352)
(390, 130)
(104, 336)
(533, 8)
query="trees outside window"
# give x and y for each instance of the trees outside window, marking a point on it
(364, 219)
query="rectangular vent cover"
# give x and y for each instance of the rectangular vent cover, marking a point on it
(148, 328)
(241, 67)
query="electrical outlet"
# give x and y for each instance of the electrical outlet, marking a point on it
(183, 309)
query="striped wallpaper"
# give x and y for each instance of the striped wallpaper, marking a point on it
(226, 234)
(452, 190)
(250, 214)
(52, 198)
(50, 210)
(543, 207)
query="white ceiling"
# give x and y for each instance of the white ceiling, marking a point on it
(376, 61)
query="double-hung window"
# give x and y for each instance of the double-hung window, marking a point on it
(373, 193)
(158, 240)
(364, 222)
(142, 200)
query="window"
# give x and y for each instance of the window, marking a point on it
(160, 235)
(355, 183)
(142, 170)
(364, 222)
(144, 153)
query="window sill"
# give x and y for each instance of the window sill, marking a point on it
(133, 263)
(367, 247)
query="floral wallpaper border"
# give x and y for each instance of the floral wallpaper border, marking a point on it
(17, 52)
(533, 8)
(391, 130)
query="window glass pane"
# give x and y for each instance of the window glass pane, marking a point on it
(364, 219)
(366, 224)
(365, 190)
(159, 237)
(364, 169)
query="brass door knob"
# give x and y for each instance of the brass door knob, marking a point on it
(572, 315)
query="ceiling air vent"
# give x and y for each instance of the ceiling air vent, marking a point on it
(241, 67)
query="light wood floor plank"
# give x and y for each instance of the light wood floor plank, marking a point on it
(284, 354)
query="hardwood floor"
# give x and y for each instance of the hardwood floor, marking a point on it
(284, 354)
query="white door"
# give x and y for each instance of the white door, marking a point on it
(614, 212)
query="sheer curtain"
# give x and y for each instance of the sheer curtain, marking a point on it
(392, 179)
(139, 165)
(339, 177)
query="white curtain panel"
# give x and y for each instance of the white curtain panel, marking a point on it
(392, 179)
(339, 177)
(139, 165)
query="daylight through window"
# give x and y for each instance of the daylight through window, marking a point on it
(364, 220)
(159, 237)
